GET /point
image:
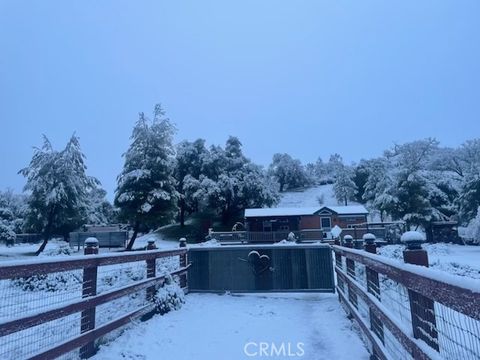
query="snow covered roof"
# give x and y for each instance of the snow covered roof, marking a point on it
(280, 211)
(349, 209)
(341, 210)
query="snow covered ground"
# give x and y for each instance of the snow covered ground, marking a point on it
(212, 326)
(26, 251)
(454, 259)
(142, 242)
(309, 197)
(62, 248)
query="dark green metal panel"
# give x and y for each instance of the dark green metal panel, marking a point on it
(250, 268)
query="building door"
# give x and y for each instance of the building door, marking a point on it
(267, 226)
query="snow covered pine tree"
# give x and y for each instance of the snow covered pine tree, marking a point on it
(58, 187)
(146, 193)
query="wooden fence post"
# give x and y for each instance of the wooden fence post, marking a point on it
(89, 289)
(421, 307)
(358, 244)
(151, 269)
(373, 287)
(348, 241)
(183, 263)
(352, 296)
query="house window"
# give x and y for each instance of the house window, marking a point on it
(283, 228)
(326, 222)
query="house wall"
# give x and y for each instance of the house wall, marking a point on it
(344, 220)
(310, 222)
(256, 223)
(296, 223)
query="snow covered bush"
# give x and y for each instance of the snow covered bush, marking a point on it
(63, 248)
(291, 237)
(473, 229)
(48, 282)
(169, 297)
(7, 234)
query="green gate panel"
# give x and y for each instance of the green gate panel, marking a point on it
(259, 268)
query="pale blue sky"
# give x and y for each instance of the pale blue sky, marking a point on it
(305, 77)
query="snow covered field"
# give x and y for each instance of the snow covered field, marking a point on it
(211, 327)
(62, 248)
(27, 251)
(455, 259)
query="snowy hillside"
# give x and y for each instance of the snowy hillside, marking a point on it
(310, 197)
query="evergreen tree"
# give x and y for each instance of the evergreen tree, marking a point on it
(378, 186)
(58, 186)
(190, 163)
(13, 209)
(360, 178)
(100, 211)
(146, 193)
(344, 187)
(230, 182)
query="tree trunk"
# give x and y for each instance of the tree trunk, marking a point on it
(47, 233)
(182, 213)
(225, 216)
(134, 236)
(42, 247)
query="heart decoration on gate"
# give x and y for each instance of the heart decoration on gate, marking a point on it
(258, 263)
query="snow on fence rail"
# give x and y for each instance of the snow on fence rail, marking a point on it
(267, 236)
(407, 311)
(53, 308)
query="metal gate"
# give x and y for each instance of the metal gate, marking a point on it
(261, 268)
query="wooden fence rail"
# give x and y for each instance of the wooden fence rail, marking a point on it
(443, 313)
(21, 326)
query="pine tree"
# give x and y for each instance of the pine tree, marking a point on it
(190, 162)
(100, 211)
(344, 187)
(146, 193)
(58, 187)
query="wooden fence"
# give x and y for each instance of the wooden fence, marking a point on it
(408, 311)
(56, 307)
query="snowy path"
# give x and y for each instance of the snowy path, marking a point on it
(211, 327)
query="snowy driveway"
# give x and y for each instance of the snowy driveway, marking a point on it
(272, 326)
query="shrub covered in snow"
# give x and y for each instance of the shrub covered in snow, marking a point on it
(7, 234)
(473, 229)
(169, 297)
(63, 248)
(48, 282)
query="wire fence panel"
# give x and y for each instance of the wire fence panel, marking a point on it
(32, 294)
(50, 309)
(395, 298)
(28, 342)
(408, 320)
(458, 335)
